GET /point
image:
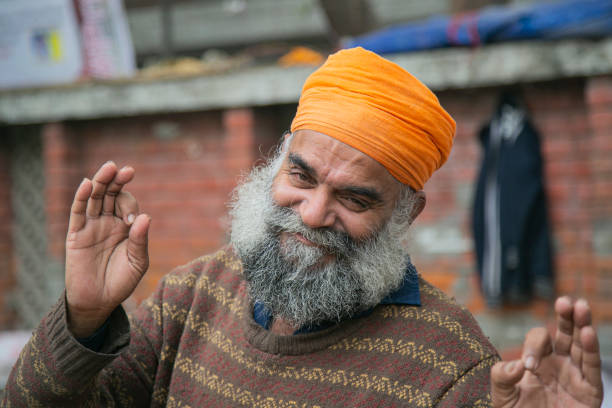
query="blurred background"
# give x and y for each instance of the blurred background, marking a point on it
(192, 93)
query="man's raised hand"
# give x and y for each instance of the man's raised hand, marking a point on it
(106, 248)
(564, 372)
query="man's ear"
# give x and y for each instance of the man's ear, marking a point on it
(420, 201)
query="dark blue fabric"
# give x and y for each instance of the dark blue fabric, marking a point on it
(96, 340)
(550, 20)
(262, 315)
(407, 294)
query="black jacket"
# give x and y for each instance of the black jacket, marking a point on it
(510, 220)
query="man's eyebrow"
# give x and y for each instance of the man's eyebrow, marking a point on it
(367, 192)
(297, 160)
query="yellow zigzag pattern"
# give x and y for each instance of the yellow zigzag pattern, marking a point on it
(225, 257)
(427, 288)
(203, 283)
(405, 348)
(173, 403)
(41, 369)
(484, 364)
(483, 403)
(341, 377)
(444, 322)
(216, 384)
(229, 260)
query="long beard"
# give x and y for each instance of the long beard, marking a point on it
(307, 285)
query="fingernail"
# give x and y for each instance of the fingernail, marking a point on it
(530, 363)
(510, 366)
(130, 218)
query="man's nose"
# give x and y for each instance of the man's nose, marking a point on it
(316, 211)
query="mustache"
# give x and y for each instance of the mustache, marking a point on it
(284, 219)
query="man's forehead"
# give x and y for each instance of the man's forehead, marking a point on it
(317, 142)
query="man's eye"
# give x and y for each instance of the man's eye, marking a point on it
(299, 176)
(355, 204)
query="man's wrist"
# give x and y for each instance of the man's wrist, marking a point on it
(84, 325)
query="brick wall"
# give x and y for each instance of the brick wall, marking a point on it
(187, 165)
(574, 119)
(7, 271)
(598, 282)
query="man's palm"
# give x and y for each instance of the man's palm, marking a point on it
(101, 249)
(106, 248)
(561, 373)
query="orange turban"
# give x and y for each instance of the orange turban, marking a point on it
(378, 108)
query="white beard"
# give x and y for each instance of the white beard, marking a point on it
(292, 280)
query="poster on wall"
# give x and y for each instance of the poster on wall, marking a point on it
(46, 42)
(39, 43)
(107, 44)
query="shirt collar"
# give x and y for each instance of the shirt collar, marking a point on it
(407, 294)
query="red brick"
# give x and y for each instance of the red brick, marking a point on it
(563, 169)
(601, 142)
(599, 91)
(238, 118)
(601, 119)
(602, 310)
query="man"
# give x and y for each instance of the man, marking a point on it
(314, 302)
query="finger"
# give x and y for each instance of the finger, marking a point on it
(126, 207)
(504, 379)
(101, 179)
(582, 313)
(537, 345)
(581, 317)
(79, 205)
(123, 176)
(564, 309)
(137, 248)
(591, 360)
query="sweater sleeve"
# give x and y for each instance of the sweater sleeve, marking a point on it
(54, 369)
(473, 388)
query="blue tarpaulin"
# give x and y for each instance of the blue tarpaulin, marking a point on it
(561, 19)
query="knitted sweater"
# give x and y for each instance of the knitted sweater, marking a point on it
(194, 343)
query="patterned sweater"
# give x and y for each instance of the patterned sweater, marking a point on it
(194, 343)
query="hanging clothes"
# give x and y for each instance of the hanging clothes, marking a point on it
(510, 220)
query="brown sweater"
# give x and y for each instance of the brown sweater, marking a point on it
(194, 343)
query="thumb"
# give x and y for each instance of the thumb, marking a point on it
(138, 240)
(504, 378)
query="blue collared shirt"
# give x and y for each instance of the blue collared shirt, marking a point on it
(407, 294)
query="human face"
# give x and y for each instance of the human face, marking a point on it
(325, 275)
(332, 185)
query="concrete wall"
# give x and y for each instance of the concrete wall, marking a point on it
(187, 164)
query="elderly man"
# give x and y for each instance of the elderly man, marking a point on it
(315, 301)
